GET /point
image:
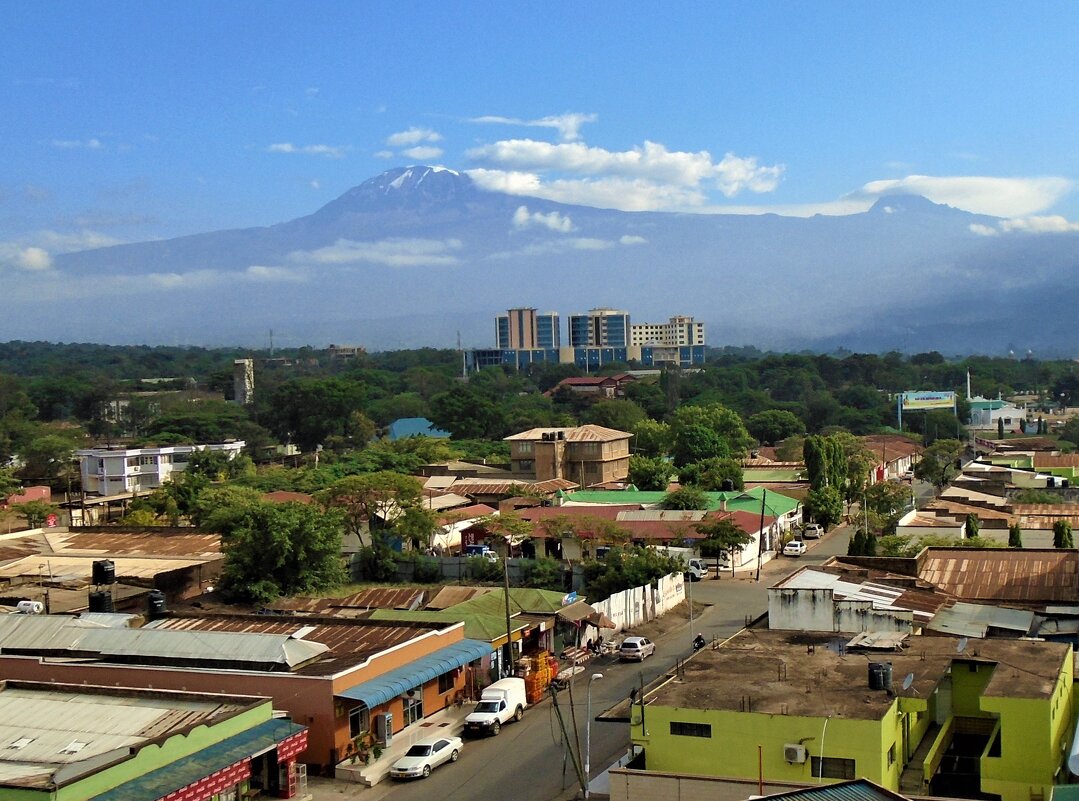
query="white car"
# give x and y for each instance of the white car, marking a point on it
(794, 548)
(636, 649)
(424, 756)
(812, 531)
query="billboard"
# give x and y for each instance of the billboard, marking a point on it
(922, 401)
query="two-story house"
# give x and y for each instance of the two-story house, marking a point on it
(587, 454)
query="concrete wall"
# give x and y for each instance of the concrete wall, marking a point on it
(817, 610)
(633, 785)
(639, 605)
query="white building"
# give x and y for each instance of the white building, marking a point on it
(679, 330)
(111, 471)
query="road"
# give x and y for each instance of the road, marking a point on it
(525, 762)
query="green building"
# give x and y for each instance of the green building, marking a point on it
(83, 743)
(984, 718)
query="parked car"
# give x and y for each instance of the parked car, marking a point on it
(909, 475)
(696, 570)
(501, 702)
(812, 531)
(636, 649)
(424, 756)
(794, 548)
(482, 551)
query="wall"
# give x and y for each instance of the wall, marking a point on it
(817, 610)
(968, 686)
(633, 785)
(638, 605)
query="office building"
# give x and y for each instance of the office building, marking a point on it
(526, 329)
(599, 328)
(679, 330)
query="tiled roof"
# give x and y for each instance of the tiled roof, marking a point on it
(479, 486)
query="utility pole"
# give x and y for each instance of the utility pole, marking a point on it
(588, 734)
(760, 538)
(509, 627)
(574, 757)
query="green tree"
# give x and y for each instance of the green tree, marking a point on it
(621, 415)
(416, 526)
(1015, 536)
(856, 546)
(9, 485)
(651, 438)
(791, 449)
(35, 512)
(940, 462)
(688, 422)
(1000, 428)
(1062, 534)
(713, 475)
(773, 425)
(623, 568)
(309, 410)
(695, 443)
(686, 498)
(972, 525)
(467, 414)
(649, 474)
(722, 536)
(371, 502)
(886, 501)
(825, 505)
(47, 458)
(870, 544)
(274, 550)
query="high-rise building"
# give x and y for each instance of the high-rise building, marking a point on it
(599, 328)
(525, 329)
(679, 330)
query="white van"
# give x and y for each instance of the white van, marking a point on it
(499, 703)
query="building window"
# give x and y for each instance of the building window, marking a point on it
(691, 729)
(524, 447)
(413, 708)
(526, 465)
(891, 755)
(832, 767)
(445, 683)
(359, 721)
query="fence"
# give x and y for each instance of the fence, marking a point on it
(632, 607)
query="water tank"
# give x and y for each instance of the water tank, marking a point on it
(104, 572)
(155, 603)
(101, 601)
(880, 675)
(30, 607)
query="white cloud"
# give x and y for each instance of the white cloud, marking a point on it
(522, 218)
(259, 272)
(567, 125)
(422, 152)
(1000, 197)
(330, 151)
(75, 144)
(631, 239)
(1053, 224)
(311, 91)
(561, 245)
(384, 154)
(610, 193)
(589, 243)
(35, 251)
(33, 258)
(391, 252)
(413, 136)
(314, 183)
(983, 230)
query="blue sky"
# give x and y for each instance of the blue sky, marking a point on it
(130, 121)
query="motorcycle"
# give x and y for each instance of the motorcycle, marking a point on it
(699, 642)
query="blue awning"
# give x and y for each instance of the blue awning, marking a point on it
(398, 682)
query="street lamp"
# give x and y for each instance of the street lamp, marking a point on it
(588, 732)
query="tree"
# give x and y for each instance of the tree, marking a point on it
(713, 475)
(621, 415)
(886, 502)
(1015, 536)
(722, 536)
(972, 525)
(279, 549)
(940, 462)
(308, 410)
(770, 426)
(856, 546)
(46, 458)
(372, 501)
(1000, 428)
(651, 438)
(623, 568)
(35, 512)
(649, 474)
(825, 505)
(870, 544)
(695, 443)
(467, 414)
(791, 449)
(9, 485)
(1062, 534)
(729, 435)
(685, 498)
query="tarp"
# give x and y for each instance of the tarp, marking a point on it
(415, 674)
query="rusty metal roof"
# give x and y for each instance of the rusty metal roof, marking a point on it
(1026, 576)
(473, 487)
(372, 598)
(351, 642)
(451, 596)
(188, 544)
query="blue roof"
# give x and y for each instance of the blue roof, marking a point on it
(159, 783)
(399, 681)
(855, 790)
(404, 427)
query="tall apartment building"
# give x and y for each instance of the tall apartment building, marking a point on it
(109, 471)
(599, 328)
(525, 329)
(679, 330)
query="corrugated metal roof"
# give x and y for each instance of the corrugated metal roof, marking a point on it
(476, 486)
(974, 620)
(1023, 575)
(451, 596)
(856, 790)
(585, 433)
(416, 673)
(922, 603)
(371, 598)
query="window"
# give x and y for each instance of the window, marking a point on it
(526, 465)
(445, 683)
(413, 709)
(359, 721)
(691, 729)
(524, 447)
(891, 755)
(832, 767)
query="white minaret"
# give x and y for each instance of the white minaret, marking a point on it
(968, 384)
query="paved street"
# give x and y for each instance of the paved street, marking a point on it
(525, 762)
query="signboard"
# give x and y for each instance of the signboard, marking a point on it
(51, 521)
(569, 598)
(922, 401)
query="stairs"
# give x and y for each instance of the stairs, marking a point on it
(911, 780)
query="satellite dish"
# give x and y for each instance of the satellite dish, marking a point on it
(909, 680)
(961, 645)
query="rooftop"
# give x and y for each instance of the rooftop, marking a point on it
(749, 500)
(585, 433)
(52, 733)
(804, 673)
(854, 585)
(1013, 575)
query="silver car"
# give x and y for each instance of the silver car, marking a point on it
(424, 756)
(635, 649)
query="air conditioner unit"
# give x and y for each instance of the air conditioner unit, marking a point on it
(793, 752)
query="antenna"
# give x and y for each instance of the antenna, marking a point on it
(961, 645)
(908, 680)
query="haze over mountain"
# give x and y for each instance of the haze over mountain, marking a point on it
(416, 254)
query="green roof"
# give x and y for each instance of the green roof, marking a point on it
(768, 474)
(478, 626)
(748, 501)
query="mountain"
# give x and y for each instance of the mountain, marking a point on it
(414, 255)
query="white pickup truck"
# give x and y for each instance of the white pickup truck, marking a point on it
(499, 703)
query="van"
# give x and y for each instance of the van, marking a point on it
(501, 702)
(480, 550)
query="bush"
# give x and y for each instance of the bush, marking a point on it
(485, 570)
(374, 564)
(543, 574)
(426, 570)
